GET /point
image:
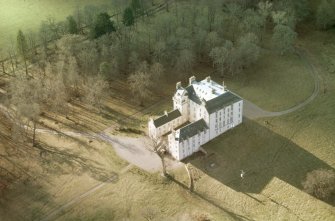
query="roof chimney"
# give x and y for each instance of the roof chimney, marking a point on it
(208, 79)
(191, 79)
(178, 85)
(165, 113)
(224, 86)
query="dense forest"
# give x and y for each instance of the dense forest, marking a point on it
(142, 41)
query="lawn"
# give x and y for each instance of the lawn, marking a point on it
(28, 14)
(275, 82)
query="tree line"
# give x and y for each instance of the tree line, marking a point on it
(91, 48)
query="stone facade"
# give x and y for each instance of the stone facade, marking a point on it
(208, 108)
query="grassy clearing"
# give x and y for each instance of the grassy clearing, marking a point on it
(275, 82)
(275, 168)
(138, 196)
(28, 14)
(271, 189)
(43, 178)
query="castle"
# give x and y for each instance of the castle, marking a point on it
(201, 111)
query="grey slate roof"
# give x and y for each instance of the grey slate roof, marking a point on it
(192, 129)
(167, 118)
(192, 95)
(214, 104)
(221, 101)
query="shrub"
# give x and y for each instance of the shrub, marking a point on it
(320, 183)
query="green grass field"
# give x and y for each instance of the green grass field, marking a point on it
(28, 14)
(285, 82)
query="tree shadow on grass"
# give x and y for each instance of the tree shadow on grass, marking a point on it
(262, 154)
(25, 200)
(21, 195)
(61, 162)
(73, 138)
(74, 123)
(118, 117)
(231, 214)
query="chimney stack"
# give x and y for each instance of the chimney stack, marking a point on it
(208, 79)
(178, 85)
(165, 113)
(191, 79)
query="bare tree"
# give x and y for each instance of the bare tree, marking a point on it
(156, 71)
(219, 56)
(56, 94)
(26, 97)
(264, 9)
(96, 90)
(190, 176)
(22, 49)
(12, 58)
(186, 60)
(139, 84)
(158, 147)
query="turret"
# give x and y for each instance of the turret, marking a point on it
(191, 80)
(178, 85)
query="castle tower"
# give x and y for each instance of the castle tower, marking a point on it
(181, 101)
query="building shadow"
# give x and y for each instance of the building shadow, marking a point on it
(261, 154)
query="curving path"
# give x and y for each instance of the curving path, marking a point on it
(252, 111)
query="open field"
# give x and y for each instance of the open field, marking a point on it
(285, 82)
(44, 177)
(28, 14)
